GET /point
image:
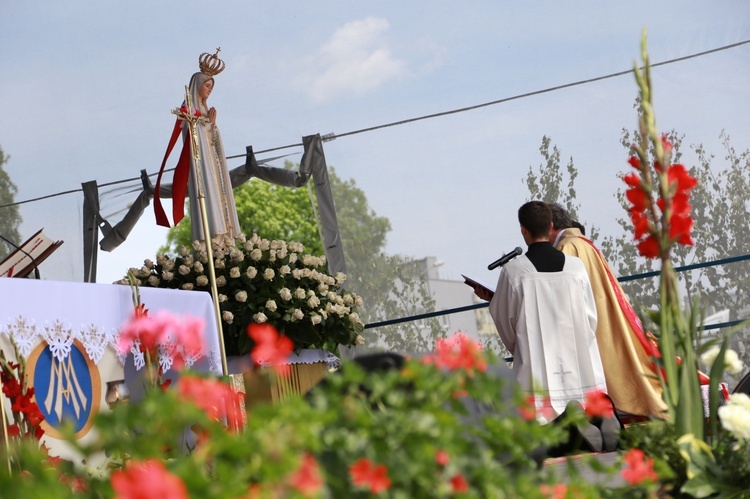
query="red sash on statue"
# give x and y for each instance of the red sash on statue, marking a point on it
(179, 181)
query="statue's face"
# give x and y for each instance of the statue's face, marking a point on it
(206, 89)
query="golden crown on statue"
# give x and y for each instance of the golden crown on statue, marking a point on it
(211, 64)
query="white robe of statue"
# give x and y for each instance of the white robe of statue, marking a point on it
(220, 207)
(547, 320)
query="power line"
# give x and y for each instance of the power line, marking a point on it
(430, 116)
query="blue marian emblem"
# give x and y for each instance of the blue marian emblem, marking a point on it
(68, 390)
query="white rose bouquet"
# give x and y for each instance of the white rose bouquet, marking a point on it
(265, 281)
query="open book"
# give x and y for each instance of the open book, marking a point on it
(477, 285)
(20, 262)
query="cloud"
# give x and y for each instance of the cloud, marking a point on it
(354, 61)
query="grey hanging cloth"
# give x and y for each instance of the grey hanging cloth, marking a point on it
(314, 161)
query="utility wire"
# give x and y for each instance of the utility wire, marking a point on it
(430, 116)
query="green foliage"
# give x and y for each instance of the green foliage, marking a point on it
(658, 440)
(399, 418)
(10, 216)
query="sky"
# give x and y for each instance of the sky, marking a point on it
(88, 88)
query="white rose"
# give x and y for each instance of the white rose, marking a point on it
(331, 296)
(297, 274)
(271, 305)
(292, 257)
(242, 238)
(284, 270)
(184, 251)
(198, 267)
(313, 301)
(144, 271)
(322, 289)
(148, 263)
(315, 319)
(227, 316)
(249, 245)
(260, 318)
(268, 274)
(240, 256)
(199, 246)
(221, 281)
(340, 277)
(735, 416)
(732, 362)
(219, 264)
(201, 280)
(153, 280)
(360, 340)
(298, 314)
(234, 273)
(285, 294)
(309, 260)
(281, 252)
(251, 272)
(183, 270)
(219, 255)
(348, 300)
(188, 286)
(160, 259)
(188, 261)
(255, 239)
(222, 298)
(358, 301)
(169, 265)
(167, 276)
(323, 313)
(256, 255)
(241, 296)
(264, 244)
(272, 256)
(354, 318)
(300, 294)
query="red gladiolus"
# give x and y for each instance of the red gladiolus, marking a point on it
(442, 458)
(665, 143)
(678, 173)
(365, 474)
(649, 247)
(13, 430)
(638, 468)
(459, 484)
(307, 478)
(270, 347)
(632, 179)
(680, 228)
(147, 480)
(597, 404)
(640, 223)
(634, 162)
(637, 198)
(210, 395)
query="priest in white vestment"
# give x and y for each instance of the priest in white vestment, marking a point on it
(545, 313)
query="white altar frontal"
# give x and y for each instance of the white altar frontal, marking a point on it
(68, 332)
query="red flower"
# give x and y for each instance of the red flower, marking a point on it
(307, 478)
(558, 491)
(365, 474)
(212, 396)
(649, 247)
(147, 480)
(637, 198)
(459, 484)
(527, 409)
(665, 143)
(680, 228)
(634, 162)
(458, 352)
(598, 404)
(442, 458)
(13, 430)
(270, 347)
(11, 387)
(632, 179)
(640, 223)
(638, 468)
(679, 174)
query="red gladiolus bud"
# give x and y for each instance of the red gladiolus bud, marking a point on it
(634, 162)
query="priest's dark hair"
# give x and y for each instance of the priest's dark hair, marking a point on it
(535, 216)
(561, 219)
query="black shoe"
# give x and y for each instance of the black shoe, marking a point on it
(585, 435)
(610, 428)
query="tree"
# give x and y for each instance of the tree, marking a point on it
(392, 286)
(10, 217)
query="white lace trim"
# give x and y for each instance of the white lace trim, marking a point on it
(95, 339)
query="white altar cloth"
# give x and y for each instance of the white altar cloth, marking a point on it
(92, 313)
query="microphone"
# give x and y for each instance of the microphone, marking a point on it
(33, 262)
(505, 258)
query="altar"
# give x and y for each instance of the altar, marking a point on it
(68, 331)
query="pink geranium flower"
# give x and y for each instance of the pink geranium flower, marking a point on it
(148, 479)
